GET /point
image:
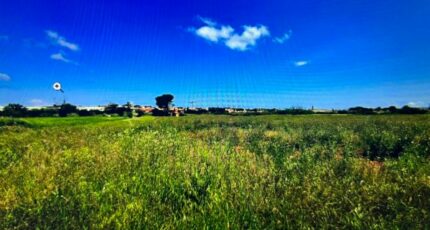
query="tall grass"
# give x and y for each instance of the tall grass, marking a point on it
(217, 172)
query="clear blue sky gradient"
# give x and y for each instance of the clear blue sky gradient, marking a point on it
(367, 53)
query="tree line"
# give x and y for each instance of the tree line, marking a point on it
(164, 109)
(163, 102)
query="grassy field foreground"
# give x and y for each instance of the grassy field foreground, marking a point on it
(216, 172)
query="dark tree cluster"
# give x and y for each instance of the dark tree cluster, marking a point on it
(88, 113)
(295, 111)
(160, 112)
(388, 110)
(196, 111)
(164, 101)
(407, 110)
(66, 109)
(215, 110)
(115, 109)
(15, 110)
(164, 104)
(361, 110)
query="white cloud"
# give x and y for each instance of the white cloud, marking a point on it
(213, 33)
(37, 102)
(4, 77)
(248, 38)
(300, 63)
(417, 104)
(60, 57)
(283, 38)
(61, 41)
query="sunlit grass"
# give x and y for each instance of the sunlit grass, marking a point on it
(216, 172)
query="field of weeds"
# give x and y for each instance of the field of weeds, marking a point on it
(215, 172)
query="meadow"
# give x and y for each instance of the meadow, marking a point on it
(216, 172)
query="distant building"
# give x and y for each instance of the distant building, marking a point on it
(322, 110)
(236, 110)
(38, 107)
(146, 109)
(177, 112)
(98, 108)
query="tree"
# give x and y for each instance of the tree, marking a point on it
(392, 109)
(410, 110)
(164, 101)
(128, 107)
(360, 110)
(14, 110)
(160, 112)
(111, 108)
(66, 109)
(215, 110)
(43, 112)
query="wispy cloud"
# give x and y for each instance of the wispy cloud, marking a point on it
(207, 21)
(283, 38)
(417, 104)
(59, 40)
(213, 32)
(301, 63)
(37, 102)
(4, 77)
(60, 57)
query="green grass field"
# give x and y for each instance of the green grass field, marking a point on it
(215, 172)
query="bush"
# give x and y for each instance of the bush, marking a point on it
(14, 110)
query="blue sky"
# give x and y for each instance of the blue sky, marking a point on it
(327, 54)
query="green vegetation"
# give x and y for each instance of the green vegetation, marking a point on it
(165, 107)
(216, 172)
